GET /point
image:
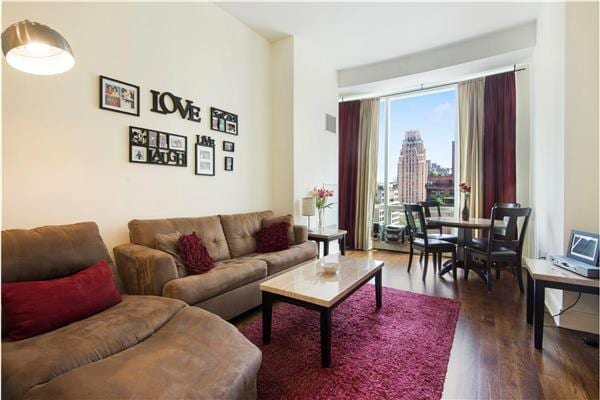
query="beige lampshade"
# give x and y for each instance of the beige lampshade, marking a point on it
(308, 206)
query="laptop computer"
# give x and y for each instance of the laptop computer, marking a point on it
(582, 254)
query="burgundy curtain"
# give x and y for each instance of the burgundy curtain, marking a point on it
(349, 115)
(499, 121)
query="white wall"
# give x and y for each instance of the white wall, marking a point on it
(65, 160)
(565, 141)
(315, 149)
(581, 143)
(282, 142)
(522, 148)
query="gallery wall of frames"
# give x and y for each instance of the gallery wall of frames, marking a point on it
(151, 146)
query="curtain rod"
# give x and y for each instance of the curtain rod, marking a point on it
(422, 88)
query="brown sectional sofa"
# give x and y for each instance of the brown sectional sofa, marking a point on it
(231, 287)
(144, 347)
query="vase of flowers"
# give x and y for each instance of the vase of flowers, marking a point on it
(321, 196)
(466, 191)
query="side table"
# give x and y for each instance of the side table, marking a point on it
(325, 236)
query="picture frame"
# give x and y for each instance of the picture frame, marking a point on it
(205, 156)
(119, 96)
(223, 121)
(145, 147)
(228, 163)
(228, 146)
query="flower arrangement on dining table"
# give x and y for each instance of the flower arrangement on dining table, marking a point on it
(465, 189)
(322, 196)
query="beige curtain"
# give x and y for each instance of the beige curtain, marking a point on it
(367, 171)
(470, 125)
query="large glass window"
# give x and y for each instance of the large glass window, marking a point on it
(416, 160)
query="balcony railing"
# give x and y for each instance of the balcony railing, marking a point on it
(394, 213)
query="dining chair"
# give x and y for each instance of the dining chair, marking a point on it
(417, 233)
(482, 241)
(428, 207)
(501, 249)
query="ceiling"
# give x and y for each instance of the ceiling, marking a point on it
(352, 34)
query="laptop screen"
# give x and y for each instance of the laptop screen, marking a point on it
(584, 246)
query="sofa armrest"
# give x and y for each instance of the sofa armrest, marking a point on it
(300, 234)
(144, 270)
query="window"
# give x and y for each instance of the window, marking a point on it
(416, 154)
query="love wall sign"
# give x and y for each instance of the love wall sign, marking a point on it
(168, 103)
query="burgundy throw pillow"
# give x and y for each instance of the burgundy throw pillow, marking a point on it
(35, 307)
(194, 255)
(273, 238)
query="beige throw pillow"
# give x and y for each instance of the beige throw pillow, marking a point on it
(284, 218)
(169, 243)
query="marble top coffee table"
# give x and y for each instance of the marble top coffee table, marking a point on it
(308, 286)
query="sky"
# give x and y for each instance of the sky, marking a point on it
(434, 114)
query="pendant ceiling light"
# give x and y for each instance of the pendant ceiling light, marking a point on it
(36, 49)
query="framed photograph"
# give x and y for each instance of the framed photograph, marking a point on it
(152, 139)
(162, 141)
(223, 121)
(205, 156)
(176, 142)
(143, 149)
(228, 163)
(119, 96)
(583, 246)
(231, 127)
(228, 146)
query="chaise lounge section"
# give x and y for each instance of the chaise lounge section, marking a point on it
(143, 347)
(231, 287)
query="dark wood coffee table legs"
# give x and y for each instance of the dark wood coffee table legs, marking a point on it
(378, 289)
(267, 315)
(325, 337)
(324, 312)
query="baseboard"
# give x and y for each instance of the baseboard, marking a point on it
(578, 321)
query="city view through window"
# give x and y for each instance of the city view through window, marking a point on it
(416, 154)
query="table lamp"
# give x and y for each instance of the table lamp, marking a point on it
(308, 208)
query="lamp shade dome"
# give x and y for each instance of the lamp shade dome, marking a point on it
(36, 49)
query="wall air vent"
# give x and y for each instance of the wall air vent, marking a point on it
(330, 123)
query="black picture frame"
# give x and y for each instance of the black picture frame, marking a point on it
(145, 150)
(228, 146)
(207, 145)
(102, 99)
(224, 121)
(228, 167)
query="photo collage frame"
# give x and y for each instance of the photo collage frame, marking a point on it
(148, 146)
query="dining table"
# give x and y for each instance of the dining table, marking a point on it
(464, 237)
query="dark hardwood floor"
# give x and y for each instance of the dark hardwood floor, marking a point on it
(492, 354)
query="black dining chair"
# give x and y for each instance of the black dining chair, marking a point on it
(482, 241)
(417, 232)
(498, 250)
(432, 208)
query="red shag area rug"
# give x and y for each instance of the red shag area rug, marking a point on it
(398, 352)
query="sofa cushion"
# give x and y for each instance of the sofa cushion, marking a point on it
(51, 252)
(195, 355)
(273, 238)
(39, 359)
(208, 229)
(240, 229)
(226, 275)
(169, 243)
(281, 260)
(194, 255)
(283, 218)
(35, 307)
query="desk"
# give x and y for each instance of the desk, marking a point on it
(542, 274)
(325, 236)
(465, 235)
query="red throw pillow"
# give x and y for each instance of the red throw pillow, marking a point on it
(194, 255)
(35, 307)
(273, 238)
